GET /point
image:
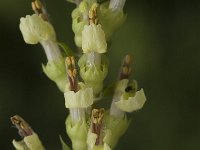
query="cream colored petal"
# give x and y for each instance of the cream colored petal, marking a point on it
(33, 142)
(93, 39)
(91, 139)
(121, 85)
(81, 99)
(108, 135)
(133, 103)
(28, 36)
(34, 29)
(19, 145)
(106, 147)
(102, 147)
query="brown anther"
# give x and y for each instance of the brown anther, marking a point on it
(17, 120)
(97, 124)
(97, 115)
(23, 127)
(34, 6)
(68, 61)
(129, 71)
(39, 9)
(125, 70)
(128, 59)
(93, 14)
(38, 4)
(72, 60)
(126, 67)
(72, 73)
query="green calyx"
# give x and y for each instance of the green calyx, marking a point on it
(55, 70)
(77, 133)
(109, 19)
(117, 127)
(93, 75)
(79, 20)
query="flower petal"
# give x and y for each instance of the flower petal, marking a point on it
(91, 139)
(133, 103)
(19, 145)
(33, 142)
(34, 29)
(93, 39)
(81, 99)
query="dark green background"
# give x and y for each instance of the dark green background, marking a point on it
(163, 35)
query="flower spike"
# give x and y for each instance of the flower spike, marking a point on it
(93, 22)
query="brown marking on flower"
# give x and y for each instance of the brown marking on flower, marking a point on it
(97, 123)
(23, 127)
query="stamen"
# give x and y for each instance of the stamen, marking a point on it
(39, 9)
(126, 67)
(23, 127)
(72, 73)
(97, 119)
(38, 4)
(93, 14)
(73, 61)
(34, 8)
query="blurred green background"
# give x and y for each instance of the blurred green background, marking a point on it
(164, 37)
